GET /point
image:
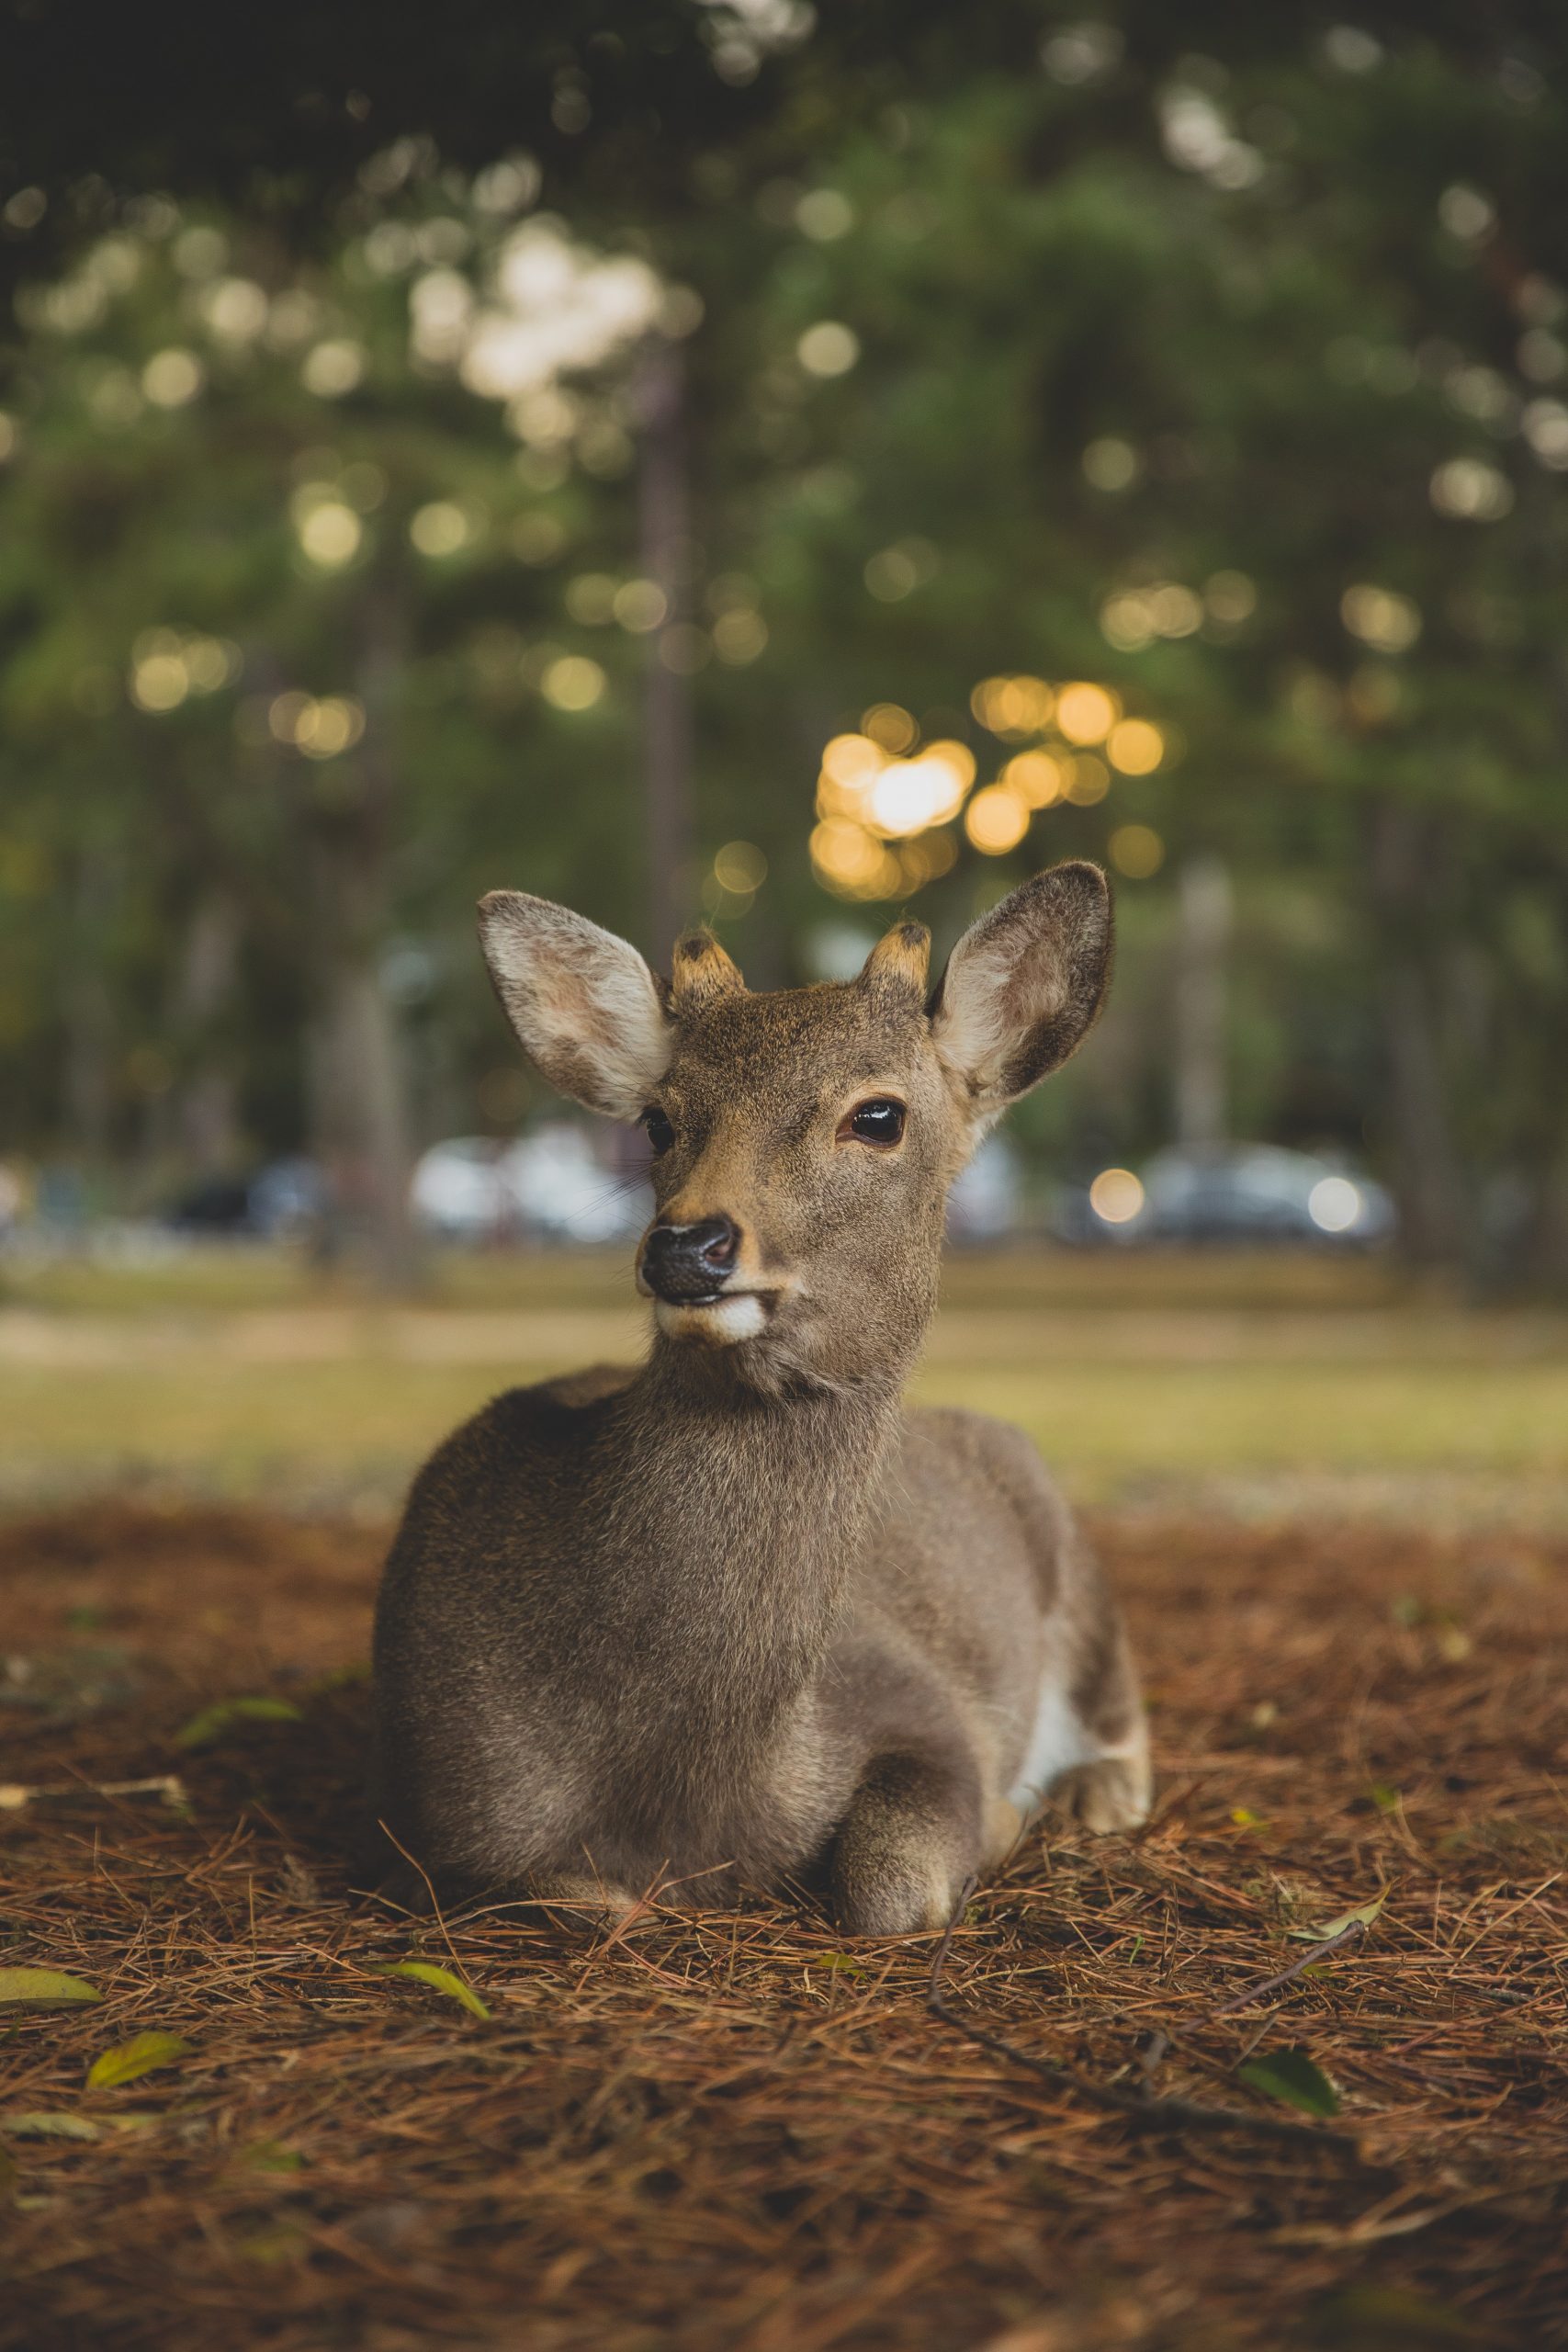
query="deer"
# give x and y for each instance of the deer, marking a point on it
(735, 1617)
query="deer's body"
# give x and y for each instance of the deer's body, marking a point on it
(735, 1616)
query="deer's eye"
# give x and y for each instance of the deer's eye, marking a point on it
(880, 1121)
(661, 1134)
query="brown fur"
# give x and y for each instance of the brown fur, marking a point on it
(735, 1615)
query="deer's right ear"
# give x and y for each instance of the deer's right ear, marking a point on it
(585, 1006)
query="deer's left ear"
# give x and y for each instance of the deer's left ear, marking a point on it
(585, 1006)
(1023, 985)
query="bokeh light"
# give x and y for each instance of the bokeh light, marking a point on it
(995, 820)
(1135, 746)
(441, 528)
(1013, 706)
(1086, 713)
(1116, 1196)
(573, 683)
(1136, 851)
(889, 724)
(1038, 778)
(330, 533)
(741, 868)
(829, 348)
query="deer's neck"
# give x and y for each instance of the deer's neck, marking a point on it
(736, 1519)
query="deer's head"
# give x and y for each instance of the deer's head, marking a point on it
(803, 1139)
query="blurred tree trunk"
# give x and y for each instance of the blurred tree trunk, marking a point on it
(1203, 1108)
(87, 1081)
(1429, 1176)
(664, 524)
(207, 1122)
(358, 1078)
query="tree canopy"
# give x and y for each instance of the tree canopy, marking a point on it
(988, 439)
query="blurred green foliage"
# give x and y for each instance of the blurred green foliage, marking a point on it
(1226, 369)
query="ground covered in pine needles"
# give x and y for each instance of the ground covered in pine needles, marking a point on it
(1181, 2129)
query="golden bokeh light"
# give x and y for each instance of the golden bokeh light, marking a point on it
(995, 820)
(326, 727)
(319, 728)
(330, 534)
(1037, 777)
(1135, 746)
(890, 725)
(591, 598)
(159, 683)
(172, 378)
(853, 759)
(333, 368)
(1089, 781)
(958, 760)
(639, 605)
(739, 635)
(440, 529)
(1012, 706)
(1136, 851)
(741, 868)
(166, 666)
(1086, 713)
(853, 862)
(573, 683)
(829, 348)
(1116, 1195)
(1381, 617)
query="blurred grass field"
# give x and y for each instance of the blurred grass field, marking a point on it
(1235, 1382)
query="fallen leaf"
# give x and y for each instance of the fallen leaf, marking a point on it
(222, 1716)
(49, 2127)
(130, 2060)
(840, 1962)
(1290, 2075)
(1365, 1913)
(424, 1971)
(44, 1988)
(271, 2156)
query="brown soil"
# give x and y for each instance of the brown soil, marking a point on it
(740, 2131)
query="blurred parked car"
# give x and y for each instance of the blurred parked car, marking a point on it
(1256, 1194)
(285, 1198)
(550, 1186)
(986, 1201)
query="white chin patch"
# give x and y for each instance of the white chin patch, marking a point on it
(722, 1325)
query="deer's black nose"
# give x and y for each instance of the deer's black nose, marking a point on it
(682, 1262)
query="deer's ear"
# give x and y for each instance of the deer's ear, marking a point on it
(1023, 985)
(585, 1006)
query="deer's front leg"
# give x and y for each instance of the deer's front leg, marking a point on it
(908, 1844)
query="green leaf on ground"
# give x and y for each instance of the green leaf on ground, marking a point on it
(44, 1988)
(213, 1721)
(130, 2060)
(841, 1964)
(271, 2156)
(441, 1980)
(1290, 2075)
(1365, 1913)
(48, 2126)
(1386, 1798)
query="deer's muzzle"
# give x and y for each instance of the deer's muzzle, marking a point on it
(683, 1264)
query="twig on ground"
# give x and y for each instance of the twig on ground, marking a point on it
(1250, 1993)
(1149, 2114)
